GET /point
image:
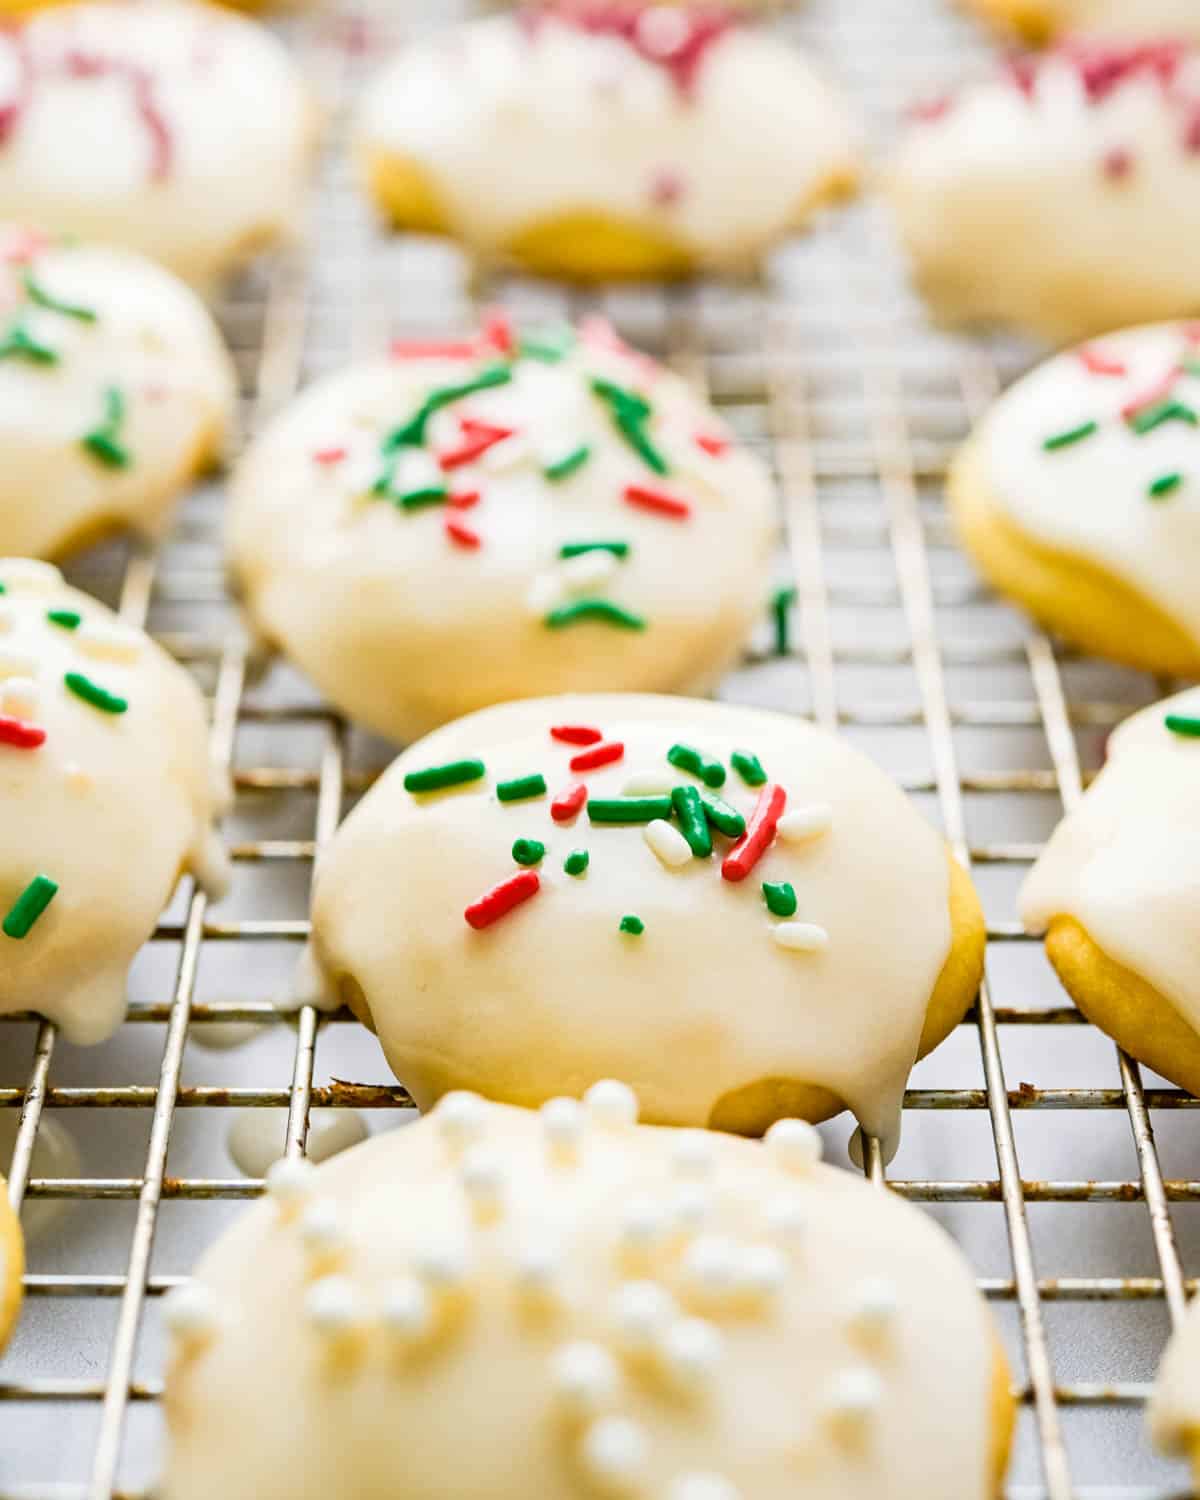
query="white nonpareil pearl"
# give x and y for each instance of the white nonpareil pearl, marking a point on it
(761, 1271)
(538, 1271)
(564, 1124)
(614, 1452)
(642, 1224)
(873, 1305)
(784, 1216)
(611, 1104)
(794, 1145)
(667, 844)
(460, 1119)
(800, 937)
(702, 1487)
(332, 1307)
(691, 1352)
(442, 1267)
(692, 1155)
(688, 1208)
(191, 1313)
(483, 1181)
(804, 823)
(406, 1310)
(290, 1181)
(585, 1378)
(19, 698)
(641, 1312)
(710, 1265)
(854, 1398)
(321, 1228)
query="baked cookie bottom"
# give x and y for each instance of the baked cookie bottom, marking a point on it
(1071, 596)
(1032, 21)
(12, 1266)
(580, 244)
(1004, 1414)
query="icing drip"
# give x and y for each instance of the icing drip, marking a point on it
(677, 40)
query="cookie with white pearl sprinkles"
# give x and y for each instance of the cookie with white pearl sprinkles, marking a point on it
(1117, 894)
(1088, 157)
(599, 139)
(1040, 20)
(108, 795)
(12, 1266)
(456, 524)
(1079, 496)
(603, 1329)
(115, 391)
(180, 130)
(546, 893)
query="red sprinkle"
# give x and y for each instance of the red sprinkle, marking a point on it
(152, 118)
(713, 444)
(501, 899)
(1159, 391)
(459, 532)
(567, 804)
(23, 245)
(480, 437)
(432, 349)
(464, 499)
(330, 455)
(759, 834)
(576, 734)
(659, 501)
(598, 755)
(926, 111)
(497, 333)
(1118, 162)
(19, 734)
(666, 187)
(1098, 363)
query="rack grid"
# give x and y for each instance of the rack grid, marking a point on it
(827, 366)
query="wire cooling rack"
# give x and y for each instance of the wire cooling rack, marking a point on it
(1026, 1134)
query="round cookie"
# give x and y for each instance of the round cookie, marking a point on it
(605, 139)
(109, 796)
(461, 524)
(604, 1308)
(1088, 158)
(578, 902)
(115, 390)
(12, 1266)
(178, 130)
(1040, 20)
(1174, 1411)
(1117, 892)
(1079, 495)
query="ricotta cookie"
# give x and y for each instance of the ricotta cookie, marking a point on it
(1079, 495)
(1040, 20)
(1117, 892)
(115, 390)
(1088, 159)
(12, 1266)
(573, 1305)
(605, 139)
(739, 912)
(177, 130)
(461, 524)
(104, 768)
(1174, 1413)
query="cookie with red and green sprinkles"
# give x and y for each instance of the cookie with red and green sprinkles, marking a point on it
(12, 1265)
(107, 796)
(115, 391)
(737, 909)
(522, 511)
(1079, 495)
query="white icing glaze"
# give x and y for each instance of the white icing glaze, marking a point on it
(256, 1136)
(1092, 498)
(1174, 1411)
(1125, 863)
(764, 1401)
(144, 799)
(515, 127)
(151, 339)
(1099, 192)
(404, 629)
(704, 1002)
(196, 165)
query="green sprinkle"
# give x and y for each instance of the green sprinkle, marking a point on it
(724, 819)
(43, 298)
(577, 549)
(692, 823)
(1071, 435)
(620, 398)
(432, 494)
(633, 925)
(29, 906)
(630, 412)
(594, 609)
(91, 692)
(412, 433)
(781, 605)
(550, 345)
(576, 862)
(1164, 485)
(688, 758)
(1190, 365)
(3, 588)
(528, 851)
(1183, 724)
(69, 619)
(749, 767)
(567, 465)
(104, 441)
(1164, 411)
(18, 344)
(436, 778)
(521, 787)
(628, 809)
(780, 897)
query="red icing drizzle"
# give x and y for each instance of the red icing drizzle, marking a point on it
(677, 41)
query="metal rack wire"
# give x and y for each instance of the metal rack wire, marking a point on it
(828, 367)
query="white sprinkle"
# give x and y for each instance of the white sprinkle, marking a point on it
(546, 592)
(191, 1313)
(483, 1181)
(614, 1453)
(416, 469)
(24, 575)
(692, 1155)
(702, 1487)
(800, 937)
(785, 1217)
(460, 1119)
(668, 843)
(585, 1377)
(691, 1352)
(854, 1397)
(648, 784)
(611, 1104)
(563, 1124)
(290, 1181)
(689, 1208)
(321, 1228)
(104, 641)
(710, 1265)
(19, 698)
(15, 663)
(406, 1310)
(641, 1312)
(587, 571)
(761, 1271)
(538, 1272)
(873, 1306)
(806, 822)
(794, 1145)
(443, 1267)
(662, 30)
(332, 1307)
(642, 1224)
